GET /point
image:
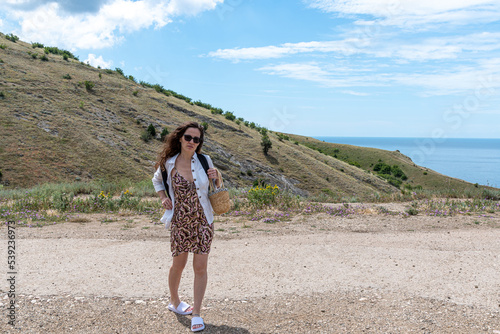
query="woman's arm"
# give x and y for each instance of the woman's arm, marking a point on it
(212, 172)
(160, 190)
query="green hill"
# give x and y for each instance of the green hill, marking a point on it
(62, 120)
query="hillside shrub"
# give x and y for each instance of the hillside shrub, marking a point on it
(152, 131)
(119, 71)
(354, 163)
(204, 125)
(396, 171)
(146, 136)
(67, 77)
(3, 46)
(164, 134)
(229, 115)
(56, 51)
(37, 45)
(108, 71)
(282, 136)
(135, 92)
(12, 38)
(130, 77)
(89, 85)
(44, 58)
(266, 144)
(2, 95)
(34, 55)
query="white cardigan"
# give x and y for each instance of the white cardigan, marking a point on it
(200, 179)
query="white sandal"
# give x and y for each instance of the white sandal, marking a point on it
(197, 321)
(182, 308)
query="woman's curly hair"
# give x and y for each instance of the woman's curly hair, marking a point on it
(172, 144)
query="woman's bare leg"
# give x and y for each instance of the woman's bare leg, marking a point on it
(200, 280)
(174, 277)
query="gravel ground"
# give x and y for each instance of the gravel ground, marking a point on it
(369, 273)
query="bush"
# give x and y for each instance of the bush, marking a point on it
(37, 45)
(266, 144)
(34, 55)
(2, 95)
(260, 197)
(204, 125)
(56, 51)
(412, 211)
(164, 134)
(3, 46)
(119, 70)
(146, 136)
(135, 92)
(151, 130)
(67, 77)
(44, 58)
(131, 78)
(89, 85)
(12, 38)
(229, 115)
(282, 136)
(396, 171)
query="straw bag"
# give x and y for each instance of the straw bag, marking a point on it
(219, 197)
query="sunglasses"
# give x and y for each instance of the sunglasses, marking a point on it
(188, 138)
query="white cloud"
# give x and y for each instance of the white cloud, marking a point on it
(50, 24)
(98, 61)
(346, 47)
(449, 47)
(351, 92)
(413, 13)
(482, 78)
(327, 75)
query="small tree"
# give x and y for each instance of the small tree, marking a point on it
(164, 134)
(266, 144)
(204, 125)
(151, 130)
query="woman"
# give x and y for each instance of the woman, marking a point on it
(188, 213)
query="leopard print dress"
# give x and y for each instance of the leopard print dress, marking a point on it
(190, 231)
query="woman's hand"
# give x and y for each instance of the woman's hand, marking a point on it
(212, 173)
(167, 203)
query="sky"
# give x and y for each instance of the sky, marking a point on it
(354, 68)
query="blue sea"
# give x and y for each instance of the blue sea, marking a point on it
(472, 160)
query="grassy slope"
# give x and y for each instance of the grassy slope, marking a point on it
(53, 130)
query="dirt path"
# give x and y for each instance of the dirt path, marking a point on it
(369, 273)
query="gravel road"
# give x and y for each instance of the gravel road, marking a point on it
(314, 274)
